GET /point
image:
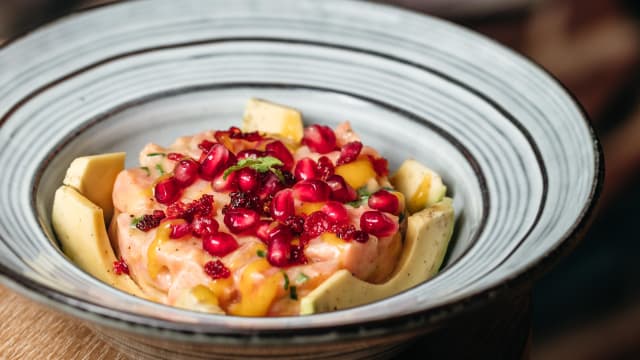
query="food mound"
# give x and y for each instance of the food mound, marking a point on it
(249, 222)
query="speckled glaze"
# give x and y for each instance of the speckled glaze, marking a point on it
(521, 161)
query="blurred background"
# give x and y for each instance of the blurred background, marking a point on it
(588, 307)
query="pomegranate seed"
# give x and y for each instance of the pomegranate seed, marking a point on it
(148, 222)
(219, 244)
(241, 220)
(216, 270)
(217, 160)
(377, 224)
(186, 172)
(340, 190)
(269, 185)
(360, 236)
(204, 225)
(206, 145)
(325, 168)
(295, 223)
(380, 165)
(319, 138)
(262, 230)
(220, 184)
(349, 152)
(120, 267)
(384, 201)
(250, 154)
(279, 245)
(312, 190)
(316, 224)
(175, 156)
(167, 191)
(336, 212)
(346, 232)
(179, 230)
(305, 169)
(282, 205)
(247, 180)
(278, 150)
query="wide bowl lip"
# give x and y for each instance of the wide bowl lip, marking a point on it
(416, 322)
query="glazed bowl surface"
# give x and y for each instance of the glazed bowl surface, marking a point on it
(516, 151)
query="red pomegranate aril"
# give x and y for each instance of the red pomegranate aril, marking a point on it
(336, 212)
(312, 190)
(204, 225)
(305, 169)
(377, 224)
(241, 220)
(186, 172)
(380, 165)
(340, 190)
(221, 184)
(349, 152)
(280, 232)
(295, 223)
(325, 168)
(248, 180)
(282, 205)
(269, 185)
(262, 230)
(360, 236)
(175, 156)
(250, 154)
(278, 150)
(279, 252)
(179, 230)
(315, 224)
(205, 145)
(219, 244)
(216, 270)
(319, 138)
(167, 191)
(217, 160)
(385, 201)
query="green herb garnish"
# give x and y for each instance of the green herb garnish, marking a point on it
(157, 154)
(261, 164)
(286, 280)
(261, 253)
(293, 293)
(302, 278)
(146, 169)
(135, 221)
(363, 195)
(160, 169)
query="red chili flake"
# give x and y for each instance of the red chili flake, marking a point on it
(216, 270)
(349, 152)
(120, 267)
(175, 156)
(380, 165)
(148, 222)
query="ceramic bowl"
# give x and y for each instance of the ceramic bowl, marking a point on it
(518, 155)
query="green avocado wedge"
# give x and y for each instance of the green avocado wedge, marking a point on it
(426, 240)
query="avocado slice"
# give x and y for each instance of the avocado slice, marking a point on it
(94, 176)
(426, 240)
(273, 119)
(79, 225)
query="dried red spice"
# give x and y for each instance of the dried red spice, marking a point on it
(120, 267)
(150, 221)
(216, 270)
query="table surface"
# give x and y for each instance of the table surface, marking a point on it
(31, 331)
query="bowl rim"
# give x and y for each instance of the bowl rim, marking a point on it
(416, 322)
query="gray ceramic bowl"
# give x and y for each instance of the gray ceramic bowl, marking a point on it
(520, 159)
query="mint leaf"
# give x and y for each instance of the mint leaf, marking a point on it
(261, 164)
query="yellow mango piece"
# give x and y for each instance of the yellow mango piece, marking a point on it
(162, 236)
(80, 228)
(273, 119)
(94, 176)
(199, 298)
(256, 298)
(357, 173)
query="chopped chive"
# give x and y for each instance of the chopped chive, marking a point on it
(146, 169)
(302, 278)
(261, 253)
(401, 217)
(286, 280)
(157, 154)
(293, 293)
(160, 169)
